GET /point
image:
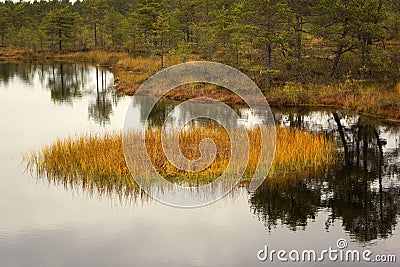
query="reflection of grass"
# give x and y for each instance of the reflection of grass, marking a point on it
(97, 162)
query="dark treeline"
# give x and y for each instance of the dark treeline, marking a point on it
(302, 38)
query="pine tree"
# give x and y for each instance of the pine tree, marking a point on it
(59, 24)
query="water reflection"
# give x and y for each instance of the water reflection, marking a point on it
(292, 203)
(68, 83)
(8, 71)
(63, 83)
(248, 117)
(362, 192)
(101, 109)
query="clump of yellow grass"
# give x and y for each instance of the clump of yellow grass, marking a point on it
(96, 161)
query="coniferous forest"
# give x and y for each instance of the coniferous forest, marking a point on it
(303, 40)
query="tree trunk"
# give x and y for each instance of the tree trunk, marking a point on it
(60, 40)
(268, 51)
(62, 79)
(162, 55)
(380, 173)
(162, 48)
(95, 34)
(363, 56)
(97, 80)
(102, 39)
(358, 142)
(52, 42)
(336, 61)
(343, 138)
(299, 35)
(102, 81)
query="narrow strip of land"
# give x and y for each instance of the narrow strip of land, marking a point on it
(364, 98)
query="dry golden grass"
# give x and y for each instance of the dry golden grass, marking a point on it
(94, 56)
(97, 162)
(89, 161)
(363, 98)
(299, 150)
(398, 88)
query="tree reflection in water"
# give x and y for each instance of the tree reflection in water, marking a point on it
(363, 192)
(68, 83)
(101, 109)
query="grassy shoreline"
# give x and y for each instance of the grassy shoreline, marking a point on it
(130, 73)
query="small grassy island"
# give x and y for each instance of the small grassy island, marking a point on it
(94, 161)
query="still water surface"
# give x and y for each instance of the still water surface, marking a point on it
(43, 224)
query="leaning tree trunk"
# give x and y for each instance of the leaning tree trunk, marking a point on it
(336, 61)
